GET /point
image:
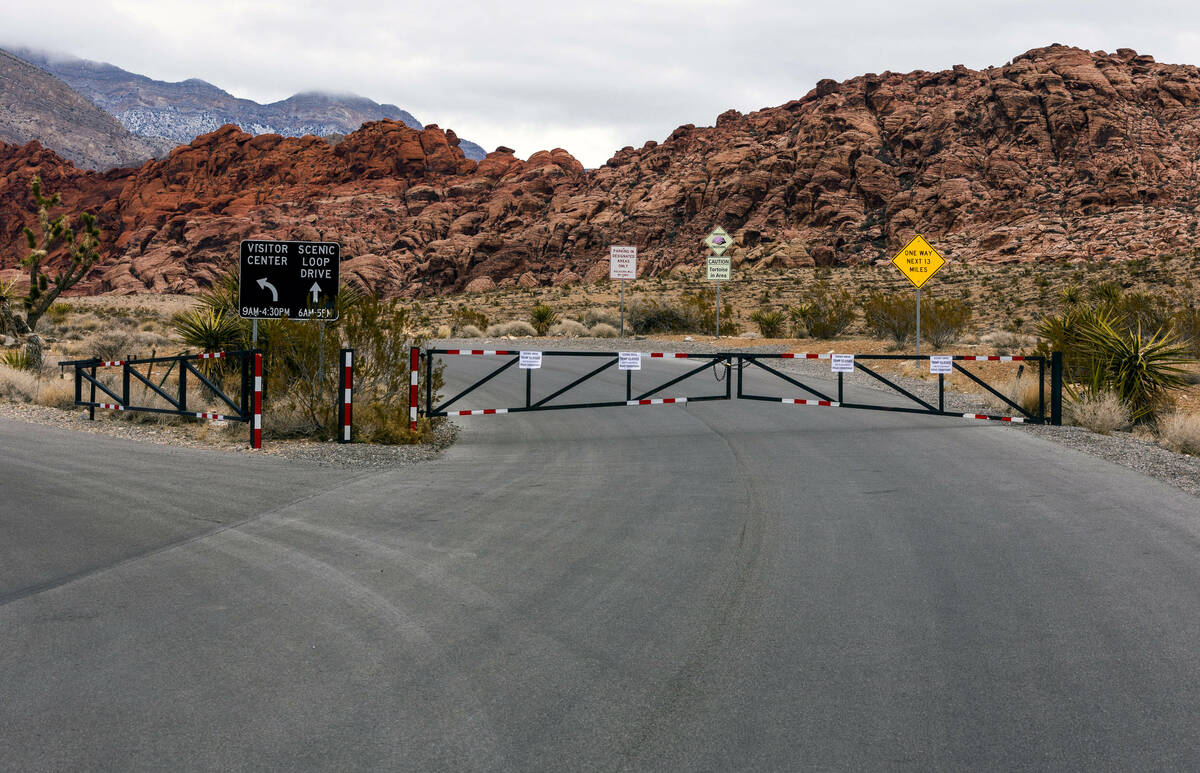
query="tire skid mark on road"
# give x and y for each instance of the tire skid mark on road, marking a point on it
(369, 620)
(737, 595)
(20, 594)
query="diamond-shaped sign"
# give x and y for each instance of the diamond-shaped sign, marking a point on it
(718, 241)
(918, 260)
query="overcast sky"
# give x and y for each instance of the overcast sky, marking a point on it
(592, 77)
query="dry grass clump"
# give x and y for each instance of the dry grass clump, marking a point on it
(514, 329)
(469, 331)
(593, 317)
(23, 386)
(603, 330)
(568, 328)
(1103, 413)
(1024, 392)
(1180, 432)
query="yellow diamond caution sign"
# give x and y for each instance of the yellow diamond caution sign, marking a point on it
(918, 260)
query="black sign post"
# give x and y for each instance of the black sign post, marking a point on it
(297, 280)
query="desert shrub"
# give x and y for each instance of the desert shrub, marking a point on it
(1071, 295)
(692, 313)
(823, 312)
(1025, 392)
(944, 320)
(1106, 292)
(470, 331)
(467, 317)
(17, 384)
(593, 316)
(1101, 412)
(444, 331)
(1186, 324)
(108, 344)
(890, 315)
(26, 386)
(769, 321)
(568, 328)
(541, 317)
(1180, 432)
(603, 330)
(515, 329)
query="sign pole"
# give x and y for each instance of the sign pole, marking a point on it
(254, 333)
(918, 321)
(622, 308)
(718, 308)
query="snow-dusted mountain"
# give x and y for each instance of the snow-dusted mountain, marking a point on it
(169, 114)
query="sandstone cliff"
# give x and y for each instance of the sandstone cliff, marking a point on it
(1060, 154)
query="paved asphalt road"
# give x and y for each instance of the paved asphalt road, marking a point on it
(721, 586)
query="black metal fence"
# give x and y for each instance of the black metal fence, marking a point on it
(180, 388)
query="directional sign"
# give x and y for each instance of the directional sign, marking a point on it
(622, 262)
(918, 261)
(298, 280)
(718, 241)
(719, 269)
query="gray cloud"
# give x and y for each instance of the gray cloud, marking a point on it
(593, 78)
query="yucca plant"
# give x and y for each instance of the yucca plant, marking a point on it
(1141, 370)
(208, 329)
(542, 317)
(769, 321)
(8, 289)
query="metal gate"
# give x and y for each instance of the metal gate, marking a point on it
(1048, 375)
(181, 389)
(643, 395)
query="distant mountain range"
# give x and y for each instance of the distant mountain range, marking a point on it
(36, 105)
(166, 114)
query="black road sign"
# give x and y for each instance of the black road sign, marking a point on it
(298, 280)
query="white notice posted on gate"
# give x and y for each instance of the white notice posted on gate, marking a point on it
(941, 363)
(629, 360)
(842, 363)
(530, 360)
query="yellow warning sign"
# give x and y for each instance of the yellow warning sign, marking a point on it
(918, 260)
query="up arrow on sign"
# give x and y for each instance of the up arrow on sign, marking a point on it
(316, 291)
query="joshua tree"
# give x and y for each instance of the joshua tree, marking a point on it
(83, 249)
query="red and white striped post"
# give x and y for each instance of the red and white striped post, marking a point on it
(345, 415)
(256, 422)
(414, 359)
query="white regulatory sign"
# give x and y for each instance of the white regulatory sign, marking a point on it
(842, 363)
(530, 360)
(719, 269)
(941, 363)
(629, 360)
(622, 262)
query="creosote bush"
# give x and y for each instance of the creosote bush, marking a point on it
(603, 330)
(823, 312)
(568, 328)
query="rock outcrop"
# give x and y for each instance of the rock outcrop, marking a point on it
(1062, 154)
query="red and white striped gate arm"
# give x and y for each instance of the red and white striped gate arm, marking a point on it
(414, 361)
(993, 357)
(658, 401)
(984, 417)
(475, 351)
(256, 426)
(797, 401)
(212, 355)
(806, 356)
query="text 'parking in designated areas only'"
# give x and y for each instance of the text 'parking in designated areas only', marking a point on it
(297, 280)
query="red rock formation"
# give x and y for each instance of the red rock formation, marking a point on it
(1061, 154)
